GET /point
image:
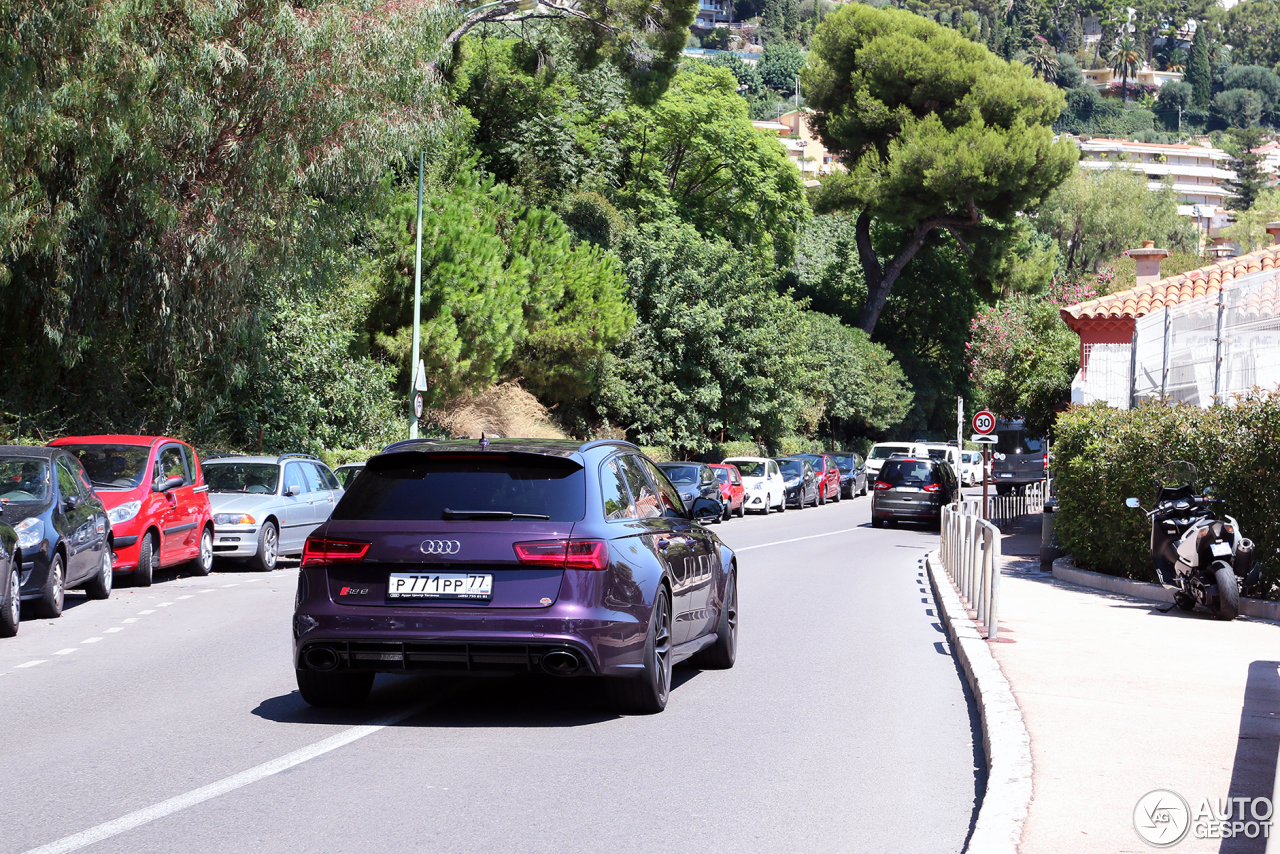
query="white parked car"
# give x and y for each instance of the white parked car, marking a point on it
(946, 451)
(971, 468)
(883, 450)
(265, 507)
(762, 480)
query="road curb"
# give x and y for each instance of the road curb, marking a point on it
(1005, 742)
(1064, 571)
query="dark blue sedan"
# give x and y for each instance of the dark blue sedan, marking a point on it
(524, 556)
(63, 535)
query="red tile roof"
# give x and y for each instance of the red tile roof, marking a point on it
(1174, 290)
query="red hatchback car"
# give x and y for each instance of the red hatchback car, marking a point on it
(155, 497)
(733, 493)
(825, 468)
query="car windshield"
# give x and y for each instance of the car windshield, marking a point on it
(346, 474)
(883, 452)
(23, 480)
(844, 463)
(1017, 442)
(680, 474)
(908, 473)
(750, 468)
(794, 468)
(411, 486)
(722, 475)
(814, 460)
(258, 478)
(113, 466)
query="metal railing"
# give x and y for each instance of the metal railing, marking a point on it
(970, 552)
(1004, 510)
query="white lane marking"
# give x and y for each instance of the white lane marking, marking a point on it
(797, 539)
(210, 590)
(228, 784)
(149, 611)
(90, 640)
(188, 596)
(232, 584)
(112, 630)
(164, 604)
(129, 620)
(33, 663)
(251, 581)
(66, 651)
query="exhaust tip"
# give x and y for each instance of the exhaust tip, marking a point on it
(321, 658)
(561, 662)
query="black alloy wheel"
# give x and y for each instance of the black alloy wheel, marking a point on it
(148, 561)
(648, 693)
(721, 654)
(54, 592)
(10, 600)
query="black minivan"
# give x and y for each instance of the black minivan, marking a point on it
(912, 489)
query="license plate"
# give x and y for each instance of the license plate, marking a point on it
(439, 585)
(1220, 549)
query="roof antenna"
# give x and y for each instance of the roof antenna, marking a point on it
(484, 443)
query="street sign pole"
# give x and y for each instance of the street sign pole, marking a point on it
(417, 301)
(959, 438)
(986, 461)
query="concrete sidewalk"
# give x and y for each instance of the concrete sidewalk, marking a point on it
(1122, 696)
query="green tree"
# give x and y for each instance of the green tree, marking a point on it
(1252, 28)
(695, 156)
(1199, 72)
(937, 133)
(780, 66)
(1125, 59)
(1250, 178)
(1041, 59)
(1248, 229)
(1238, 108)
(1261, 81)
(750, 81)
(1097, 214)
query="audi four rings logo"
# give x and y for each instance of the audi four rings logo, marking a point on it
(440, 547)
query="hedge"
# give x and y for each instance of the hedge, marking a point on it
(1103, 456)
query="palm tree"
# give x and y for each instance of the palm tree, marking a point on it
(1041, 58)
(1125, 60)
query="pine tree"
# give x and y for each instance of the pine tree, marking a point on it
(1199, 72)
(1250, 179)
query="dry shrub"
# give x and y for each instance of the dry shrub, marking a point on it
(505, 410)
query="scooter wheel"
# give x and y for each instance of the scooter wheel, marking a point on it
(1184, 602)
(1227, 602)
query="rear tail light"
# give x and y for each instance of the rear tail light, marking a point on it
(933, 487)
(566, 554)
(319, 551)
(880, 484)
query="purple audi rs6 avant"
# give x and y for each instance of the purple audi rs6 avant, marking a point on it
(515, 556)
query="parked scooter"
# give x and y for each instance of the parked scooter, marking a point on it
(1202, 559)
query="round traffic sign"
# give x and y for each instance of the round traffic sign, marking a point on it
(417, 405)
(984, 422)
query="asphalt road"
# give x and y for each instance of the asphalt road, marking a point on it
(166, 720)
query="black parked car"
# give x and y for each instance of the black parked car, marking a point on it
(912, 489)
(801, 482)
(10, 593)
(853, 474)
(62, 528)
(694, 481)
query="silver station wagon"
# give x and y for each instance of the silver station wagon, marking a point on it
(265, 507)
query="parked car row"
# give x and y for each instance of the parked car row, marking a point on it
(85, 509)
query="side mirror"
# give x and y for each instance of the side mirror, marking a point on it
(166, 484)
(704, 508)
(292, 490)
(72, 502)
(1131, 503)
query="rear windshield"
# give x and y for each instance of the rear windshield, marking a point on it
(909, 473)
(938, 453)
(1017, 442)
(883, 452)
(412, 487)
(680, 474)
(750, 468)
(113, 466)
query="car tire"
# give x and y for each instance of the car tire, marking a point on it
(742, 508)
(877, 522)
(647, 693)
(768, 505)
(822, 497)
(782, 505)
(10, 600)
(721, 654)
(727, 513)
(54, 592)
(334, 689)
(147, 560)
(202, 564)
(1226, 605)
(99, 587)
(268, 553)
(864, 488)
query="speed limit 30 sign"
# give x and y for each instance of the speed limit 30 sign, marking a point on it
(984, 423)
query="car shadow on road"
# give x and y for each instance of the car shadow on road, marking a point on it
(1253, 774)
(488, 701)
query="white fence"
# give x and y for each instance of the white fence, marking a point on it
(1004, 510)
(1200, 352)
(970, 552)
